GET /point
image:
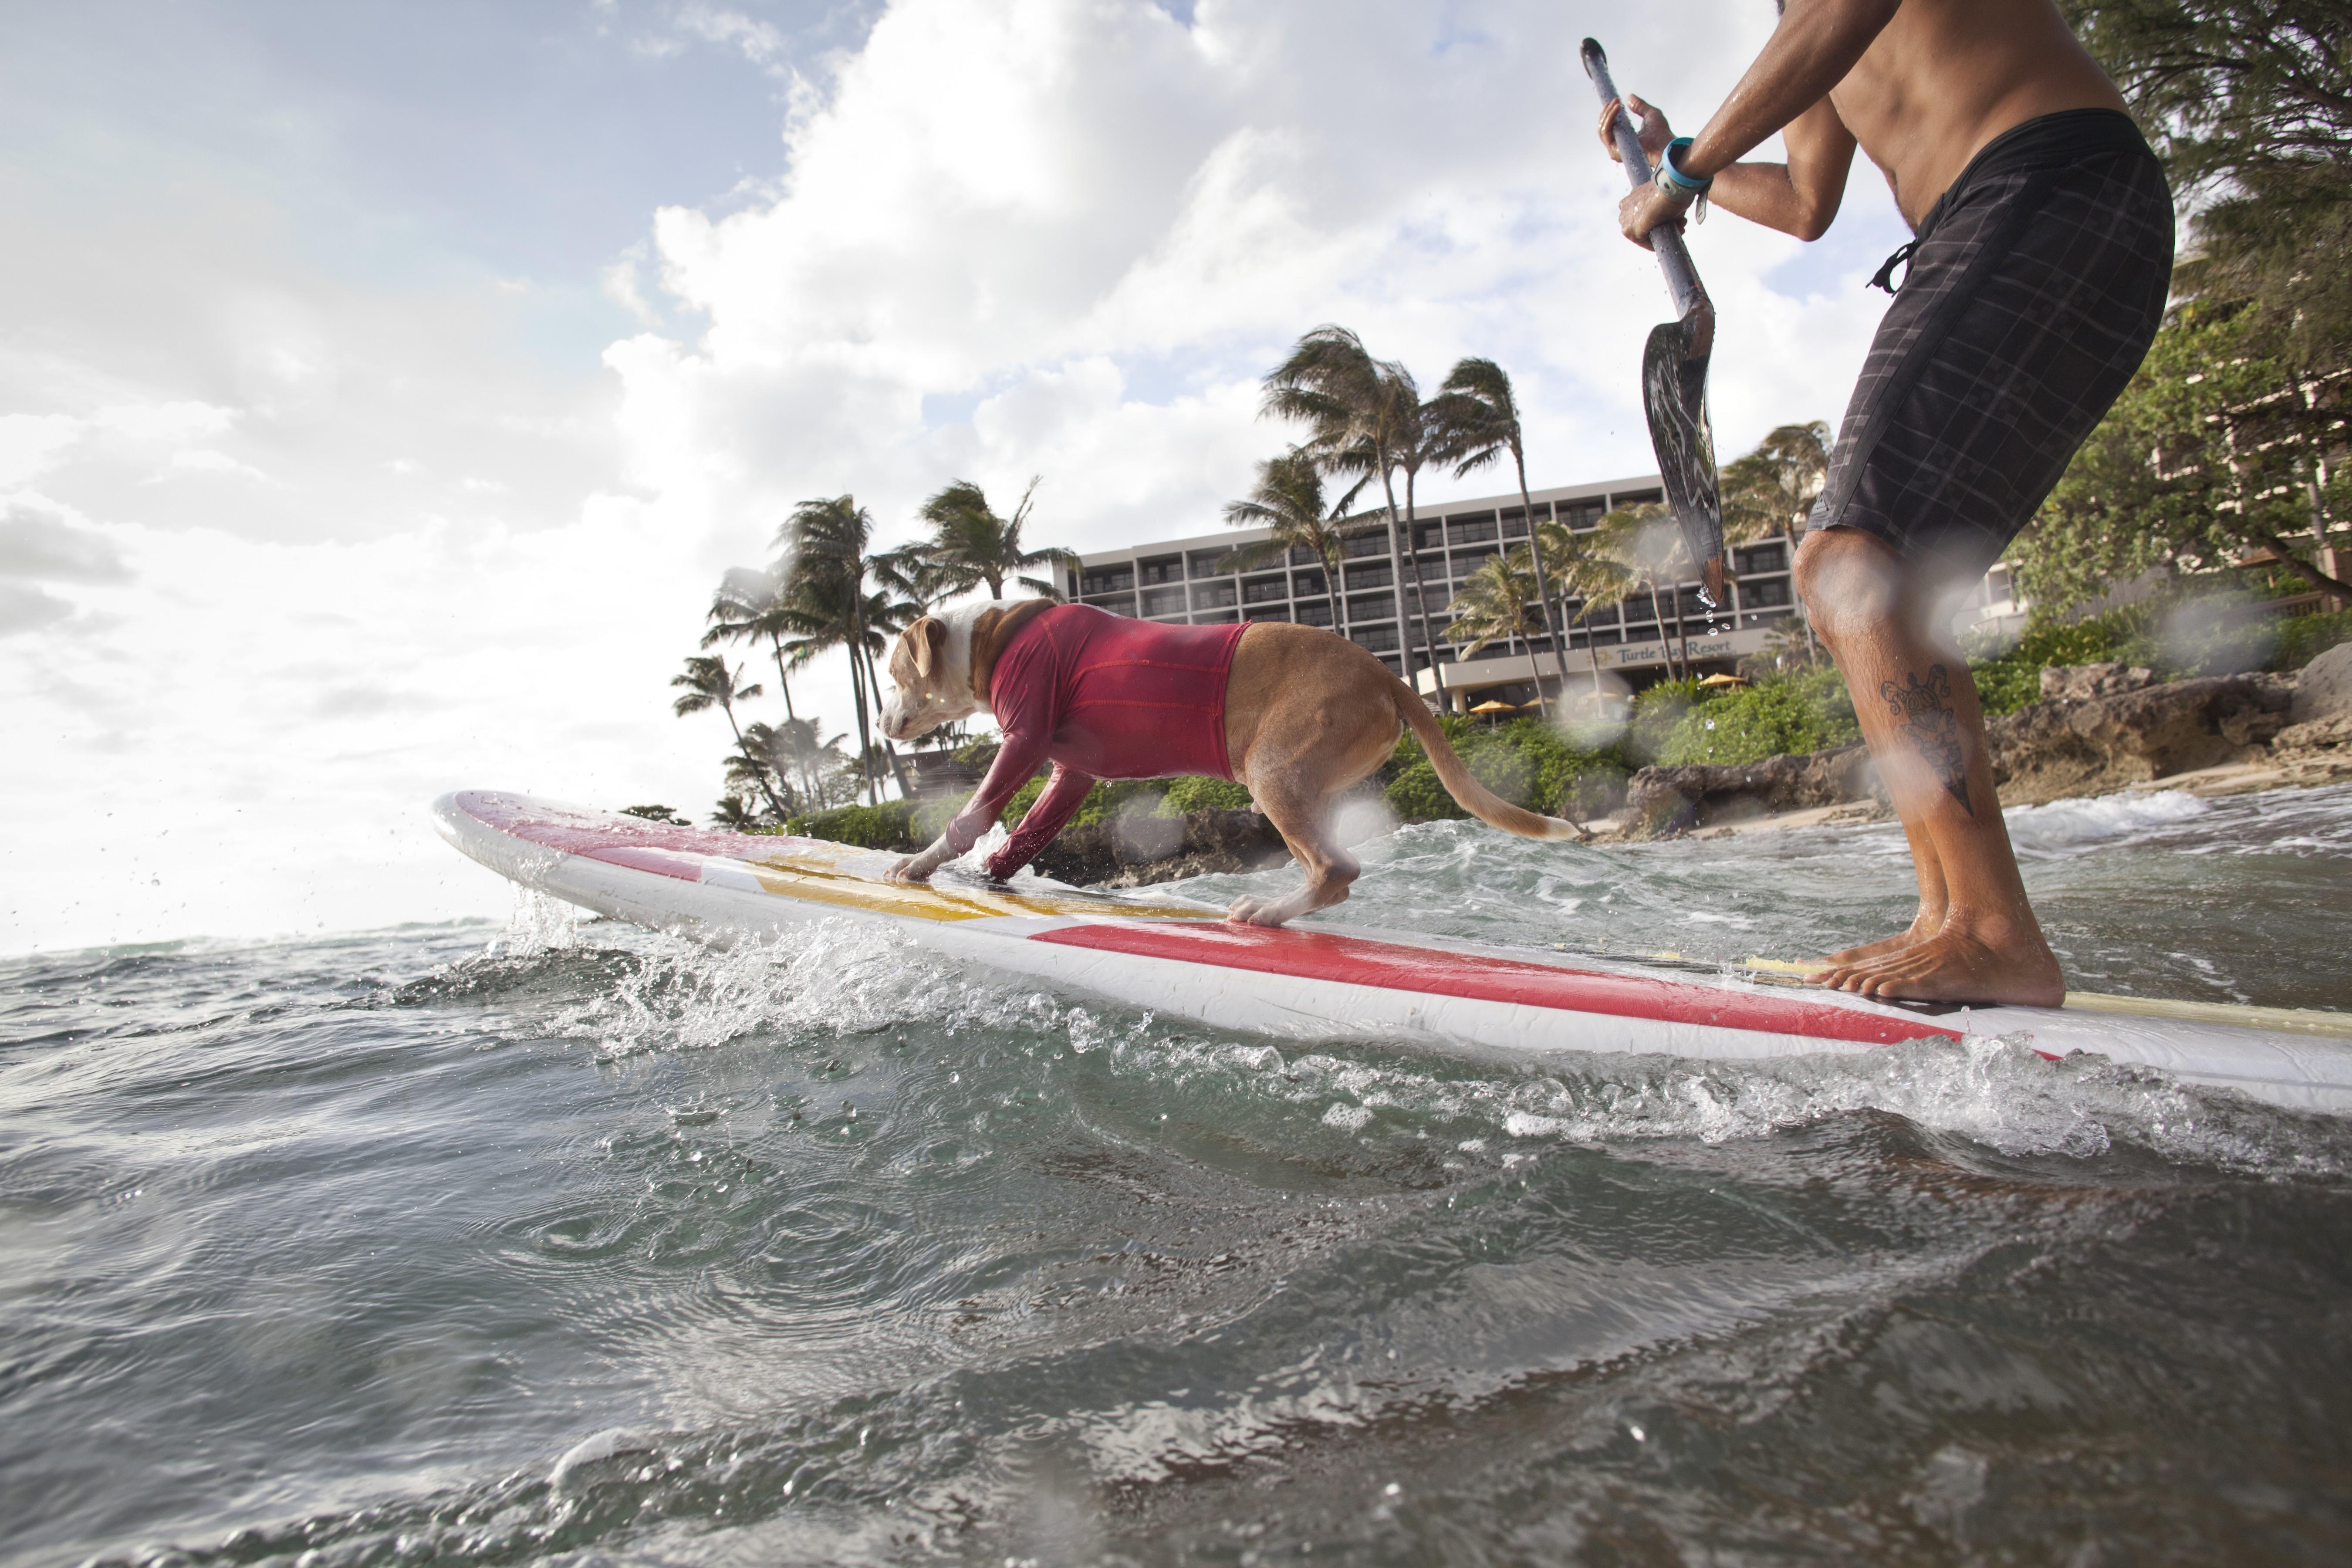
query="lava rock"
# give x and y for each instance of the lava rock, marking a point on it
(1140, 848)
(2053, 751)
(2324, 690)
(1664, 801)
(2076, 682)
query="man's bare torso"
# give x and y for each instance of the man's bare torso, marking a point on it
(1946, 76)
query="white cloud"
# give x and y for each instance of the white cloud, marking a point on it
(1094, 229)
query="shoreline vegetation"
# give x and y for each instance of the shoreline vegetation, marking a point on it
(1635, 776)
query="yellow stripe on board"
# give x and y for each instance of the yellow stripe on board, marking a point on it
(2295, 1020)
(821, 879)
(2236, 1016)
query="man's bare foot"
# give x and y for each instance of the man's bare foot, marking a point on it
(1921, 928)
(1957, 965)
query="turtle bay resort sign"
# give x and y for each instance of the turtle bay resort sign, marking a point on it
(1687, 650)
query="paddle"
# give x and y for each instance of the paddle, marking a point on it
(1674, 372)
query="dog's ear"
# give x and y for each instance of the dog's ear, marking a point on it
(927, 639)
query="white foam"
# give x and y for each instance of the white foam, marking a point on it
(609, 1444)
(2063, 825)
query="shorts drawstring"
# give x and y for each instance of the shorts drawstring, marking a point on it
(1884, 277)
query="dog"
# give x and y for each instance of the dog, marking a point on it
(1295, 713)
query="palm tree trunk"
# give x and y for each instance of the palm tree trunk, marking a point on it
(857, 696)
(783, 681)
(762, 775)
(1681, 634)
(898, 769)
(1420, 604)
(1658, 618)
(1396, 565)
(1558, 637)
(1334, 566)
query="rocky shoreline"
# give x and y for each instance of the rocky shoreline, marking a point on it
(2099, 729)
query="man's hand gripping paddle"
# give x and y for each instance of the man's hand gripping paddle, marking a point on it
(1674, 372)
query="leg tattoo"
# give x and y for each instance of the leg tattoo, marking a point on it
(1926, 715)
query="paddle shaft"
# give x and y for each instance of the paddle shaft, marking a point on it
(1674, 260)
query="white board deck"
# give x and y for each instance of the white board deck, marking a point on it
(1318, 981)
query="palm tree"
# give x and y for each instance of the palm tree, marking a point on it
(732, 812)
(1493, 603)
(1361, 414)
(1773, 488)
(1476, 417)
(1413, 445)
(1587, 574)
(833, 607)
(801, 743)
(751, 605)
(1638, 539)
(969, 545)
(1288, 504)
(710, 684)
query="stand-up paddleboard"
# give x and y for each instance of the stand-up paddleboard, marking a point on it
(1315, 982)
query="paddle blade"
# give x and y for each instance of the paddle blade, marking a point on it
(1674, 397)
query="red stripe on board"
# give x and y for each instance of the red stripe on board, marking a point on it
(1390, 966)
(610, 837)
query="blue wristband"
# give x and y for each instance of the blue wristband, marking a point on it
(1675, 176)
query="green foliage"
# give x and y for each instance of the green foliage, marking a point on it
(1791, 716)
(1658, 711)
(2209, 634)
(1199, 792)
(2302, 638)
(2205, 458)
(1526, 761)
(889, 825)
(2249, 103)
(1415, 794)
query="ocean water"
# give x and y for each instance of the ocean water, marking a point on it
(568, 1243)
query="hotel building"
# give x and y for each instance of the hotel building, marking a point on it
(1190, 580)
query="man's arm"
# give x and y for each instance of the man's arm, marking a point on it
(1816, 45)
(1801, 195)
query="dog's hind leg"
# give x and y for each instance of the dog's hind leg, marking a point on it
(1305, 823)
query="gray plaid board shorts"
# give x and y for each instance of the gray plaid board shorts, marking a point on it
(2035, 286)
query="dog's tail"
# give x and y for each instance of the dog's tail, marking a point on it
(1463, 785)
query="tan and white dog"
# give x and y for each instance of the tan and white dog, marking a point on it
(1307, 714)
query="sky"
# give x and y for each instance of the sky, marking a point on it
(384, 386)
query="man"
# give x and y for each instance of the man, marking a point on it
(2036, 283)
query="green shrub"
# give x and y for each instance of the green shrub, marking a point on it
(1416, 795)
(889, 825)
(2013, 680)
(1526, 761)
(1199, 792)
(2302, 638)
(1800, 714)
(1658, 710)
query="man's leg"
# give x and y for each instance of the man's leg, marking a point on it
(1919, 713)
